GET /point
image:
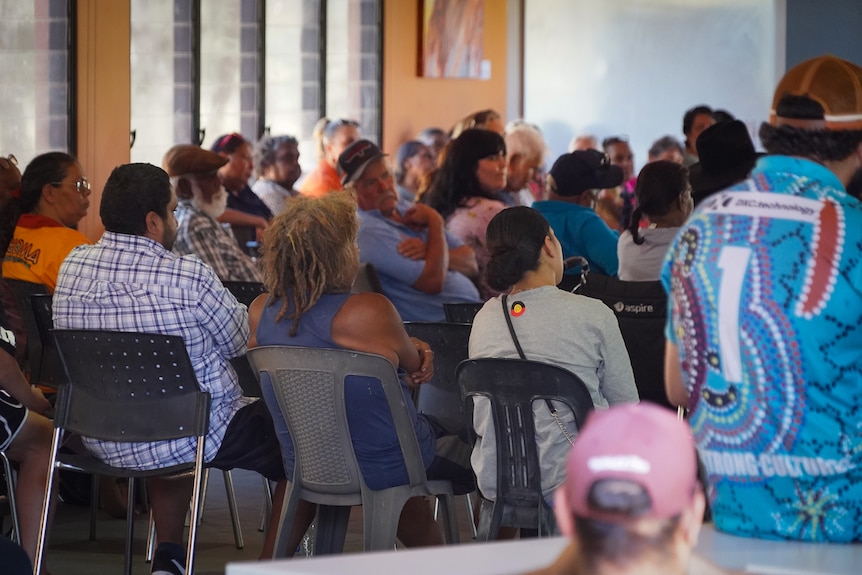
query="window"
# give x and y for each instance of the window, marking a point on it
(162, 72)
(353, 61)
(251, 66)
(293, 60)
(36, 49)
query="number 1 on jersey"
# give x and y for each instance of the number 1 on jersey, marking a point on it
(733, 263)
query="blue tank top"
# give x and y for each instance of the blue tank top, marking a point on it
(371, 428)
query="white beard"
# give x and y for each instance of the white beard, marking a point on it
(216, 207)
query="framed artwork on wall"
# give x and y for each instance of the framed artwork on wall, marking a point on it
(451, 37)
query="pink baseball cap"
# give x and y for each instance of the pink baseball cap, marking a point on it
(642, 443)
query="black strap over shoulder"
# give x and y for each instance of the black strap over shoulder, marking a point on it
(518, 347)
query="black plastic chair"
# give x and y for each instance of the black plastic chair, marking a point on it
(461, 312)
(309, 387)
(511, 386)
(245, 292)
(128, 387)
(440, 398)
(51, 372)
(366, 280)
(23, 292)
(641, 310)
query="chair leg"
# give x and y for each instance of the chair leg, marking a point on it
(468, 500)
(10, 496)
(381, 511)
(204, 485)
(450, 524)
(490, 518)
(231, 505)
(196, 503)
(94, 504)
(286, 514)
(331, 529)
(266, 508)
(151, 538)
(130, 528)
(46, 503)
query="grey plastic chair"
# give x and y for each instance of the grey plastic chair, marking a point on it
(309, 387)
(512, 385)
(129, 387)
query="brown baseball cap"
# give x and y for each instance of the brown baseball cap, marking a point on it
(833, 83)
(190, 159)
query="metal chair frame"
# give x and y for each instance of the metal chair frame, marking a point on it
(127, 387)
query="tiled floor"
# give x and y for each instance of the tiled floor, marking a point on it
(71, 553)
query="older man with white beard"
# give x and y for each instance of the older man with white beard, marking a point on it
(201, 199)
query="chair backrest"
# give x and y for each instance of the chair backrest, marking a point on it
(512, 385)
(245, 292)
(641, 310)
(23, 290)
(440, 397)
(129, 387)
(309, 387)
(51, 372)
(366, 280)
(461, 312)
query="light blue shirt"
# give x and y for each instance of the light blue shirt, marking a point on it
(378, 244)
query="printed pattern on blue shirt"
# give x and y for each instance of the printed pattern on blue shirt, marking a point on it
(766, 310)
(131, 283)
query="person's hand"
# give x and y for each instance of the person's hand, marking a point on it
(38, 403)
(426, 365)
(413, 248)
(421, 216)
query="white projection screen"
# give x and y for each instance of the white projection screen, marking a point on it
(633, 67)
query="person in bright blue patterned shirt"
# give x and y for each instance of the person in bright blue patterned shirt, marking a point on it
(764, 342)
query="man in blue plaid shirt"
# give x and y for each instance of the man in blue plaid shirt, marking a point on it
(131, 281)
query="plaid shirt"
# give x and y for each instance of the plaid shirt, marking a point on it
(131, 283)
(204, 237)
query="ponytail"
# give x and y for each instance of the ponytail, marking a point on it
(634, 224)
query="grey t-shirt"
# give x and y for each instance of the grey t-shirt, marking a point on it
(574, 332)
(643, 263)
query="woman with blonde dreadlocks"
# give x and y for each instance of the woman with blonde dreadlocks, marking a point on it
(310, 261)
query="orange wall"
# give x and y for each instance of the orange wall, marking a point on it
(104, 102)
(411, 103)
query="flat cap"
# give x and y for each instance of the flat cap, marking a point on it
(189, 159)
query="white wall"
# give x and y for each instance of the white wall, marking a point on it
(633, 67)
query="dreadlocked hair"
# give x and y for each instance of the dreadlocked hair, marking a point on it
(310, 250)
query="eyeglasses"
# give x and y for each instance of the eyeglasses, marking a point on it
(82, 185)
(8, 162)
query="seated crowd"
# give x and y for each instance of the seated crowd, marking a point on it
(758, 256)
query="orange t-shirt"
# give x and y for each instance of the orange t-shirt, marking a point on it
(321, 181)
(38, 247)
